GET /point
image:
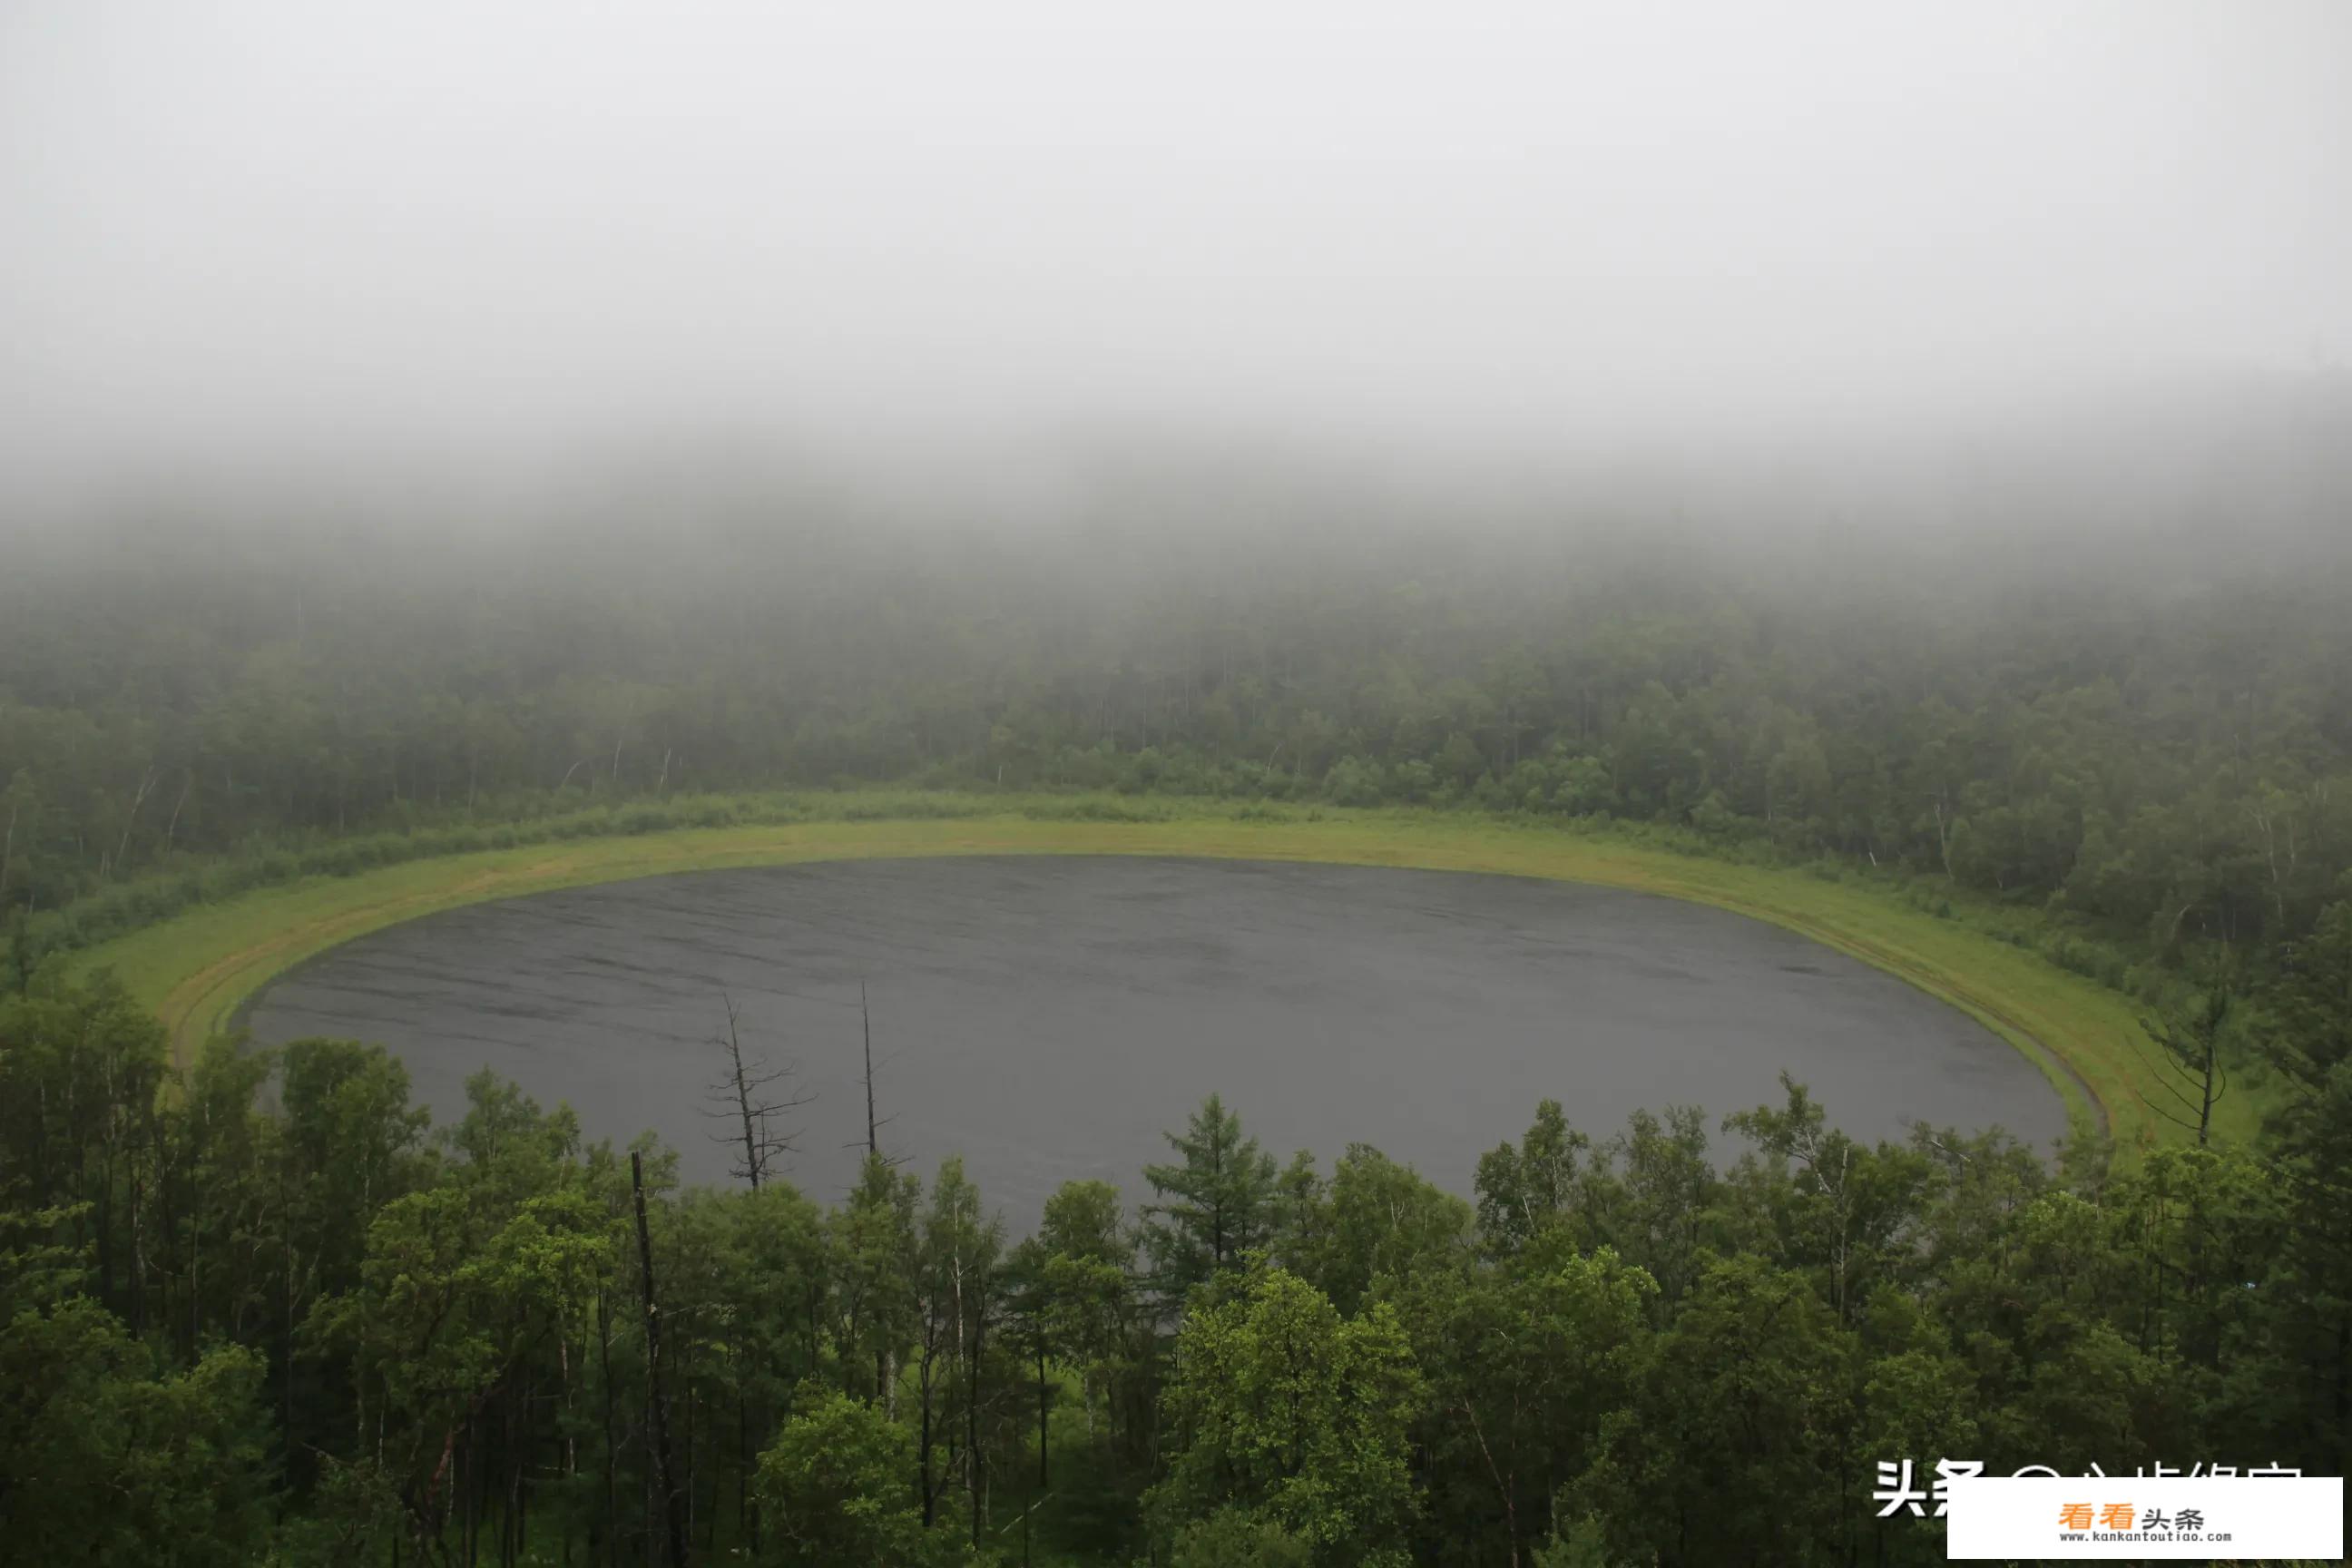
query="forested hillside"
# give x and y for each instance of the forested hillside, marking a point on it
(1431, 569)
(258, 1313)
(2119, 695)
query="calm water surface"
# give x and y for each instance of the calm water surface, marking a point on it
(1047, 1016)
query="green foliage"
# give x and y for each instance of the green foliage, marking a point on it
(106, 1459)
(1523, 1358)
(1732, 1433)
(1083, 1269)
(832, 1486)
(1238, 1538)
(1280, 1409)
(2123, 770)
(1583, 1545)
(1377, 1221)
(1523, 1190)
(1216, 1205)
(255, 1313)
(873, 1256)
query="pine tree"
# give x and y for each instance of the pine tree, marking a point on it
(1216, 1205)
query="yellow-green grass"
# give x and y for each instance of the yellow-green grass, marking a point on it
(196, 969)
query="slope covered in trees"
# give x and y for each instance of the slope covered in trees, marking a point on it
(2118, 693)
(270, 1315)
(255, 1310)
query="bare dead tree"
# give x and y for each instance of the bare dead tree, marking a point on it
(886, 1360)
(865, 1019)
(2192, 1070)
(874, 1125)
(747, 1096)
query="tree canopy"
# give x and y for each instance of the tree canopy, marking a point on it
(255, 1310)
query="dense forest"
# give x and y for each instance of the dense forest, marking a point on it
(258, 1309)
(1577, 557)
(258, 1312)
(2087, 687)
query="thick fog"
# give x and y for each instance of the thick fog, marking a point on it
(278, 230)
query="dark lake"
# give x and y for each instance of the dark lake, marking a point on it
(1047, 1016)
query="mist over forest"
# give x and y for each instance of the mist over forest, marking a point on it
(2082, 646)
(971, 621)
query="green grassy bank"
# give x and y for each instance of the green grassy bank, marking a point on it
(196, 968)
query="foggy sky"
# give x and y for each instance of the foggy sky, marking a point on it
(241, 227)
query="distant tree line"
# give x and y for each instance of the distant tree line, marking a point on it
(260, 1312)
(2157, 747)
